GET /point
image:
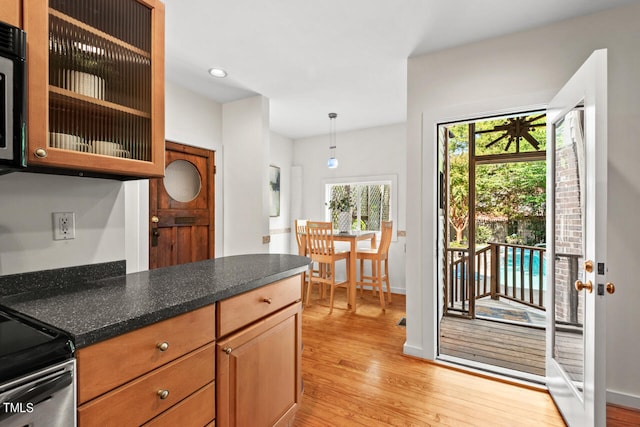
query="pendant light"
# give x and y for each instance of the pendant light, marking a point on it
(332, 163)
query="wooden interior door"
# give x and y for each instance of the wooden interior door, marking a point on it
(181, 207)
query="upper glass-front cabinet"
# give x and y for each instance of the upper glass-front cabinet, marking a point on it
(96, 85)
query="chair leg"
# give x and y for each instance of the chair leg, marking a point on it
(331, 298)
(374, 274)
(386, 279)
(378, 280)
(309, 286)
(348, 274)
(361, 286)
(303, 285)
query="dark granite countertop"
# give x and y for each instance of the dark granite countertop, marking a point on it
(92, 312)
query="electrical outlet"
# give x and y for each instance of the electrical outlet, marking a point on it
(64, 225)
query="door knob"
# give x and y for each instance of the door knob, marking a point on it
(155, 219)
(611, 288)
(580, 286)
(588, 266)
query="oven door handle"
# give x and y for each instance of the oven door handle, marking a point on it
(36, 393)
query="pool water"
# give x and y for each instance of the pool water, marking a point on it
(531, 261)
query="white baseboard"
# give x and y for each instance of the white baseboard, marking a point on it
(414, 351)
(623, 399)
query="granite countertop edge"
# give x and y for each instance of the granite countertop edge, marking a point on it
(96, 311)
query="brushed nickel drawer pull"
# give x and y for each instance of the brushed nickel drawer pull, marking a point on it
(163, 394)
(227, 350)
(267, 300)
(162, 346)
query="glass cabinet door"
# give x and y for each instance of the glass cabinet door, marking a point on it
(104, 86)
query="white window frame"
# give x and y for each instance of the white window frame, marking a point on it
(365, 180)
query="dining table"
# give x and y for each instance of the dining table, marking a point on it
(352, 237)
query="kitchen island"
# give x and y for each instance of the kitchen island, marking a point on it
(158, 346)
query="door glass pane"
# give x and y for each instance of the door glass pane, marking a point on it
(569, 244)
(182, 181)
(457, 203)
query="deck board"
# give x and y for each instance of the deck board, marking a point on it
(518, 347)
(483, 341)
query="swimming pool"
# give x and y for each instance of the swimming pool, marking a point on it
(528, 259)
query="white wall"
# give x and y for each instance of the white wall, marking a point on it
(369, 152)
(26, 235)
(512, 73)
(246, 178)
(281, 155)
(190, 119)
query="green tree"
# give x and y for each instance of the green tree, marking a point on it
(459, 180)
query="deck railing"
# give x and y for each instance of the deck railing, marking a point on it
(514, 272)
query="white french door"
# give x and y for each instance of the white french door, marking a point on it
(576, 252)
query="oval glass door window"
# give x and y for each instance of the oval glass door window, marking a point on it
(182, 181)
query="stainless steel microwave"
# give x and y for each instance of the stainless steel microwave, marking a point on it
(13, 101)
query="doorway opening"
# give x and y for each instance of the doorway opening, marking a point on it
(492, 241)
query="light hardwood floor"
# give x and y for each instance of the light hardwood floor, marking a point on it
(354, 373)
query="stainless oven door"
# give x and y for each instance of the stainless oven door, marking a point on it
(44, 398)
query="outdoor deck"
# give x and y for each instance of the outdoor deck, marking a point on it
(518, 344)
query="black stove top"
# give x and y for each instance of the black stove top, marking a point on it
(27, 346)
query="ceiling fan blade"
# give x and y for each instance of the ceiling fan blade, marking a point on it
(496, 140)
(535, 119)
(534, 143)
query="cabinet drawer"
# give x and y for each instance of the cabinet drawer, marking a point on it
(139, 400)
(238, 311)
(113, 362)
(196, 410)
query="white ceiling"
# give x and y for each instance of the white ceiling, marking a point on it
(312, 57)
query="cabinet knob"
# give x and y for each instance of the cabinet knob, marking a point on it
(267, 300)
(162, 346)
(40, 152)
(227, 350)
(163, 394)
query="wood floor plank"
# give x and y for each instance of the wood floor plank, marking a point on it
(618, 416)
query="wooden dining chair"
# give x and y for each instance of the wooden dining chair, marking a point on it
(377, 257)
(321, 249)
(300, 226)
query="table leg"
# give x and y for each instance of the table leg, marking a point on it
(352, 274)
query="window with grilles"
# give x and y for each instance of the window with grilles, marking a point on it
(370, 203)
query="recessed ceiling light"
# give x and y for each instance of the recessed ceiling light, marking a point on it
(218, 72)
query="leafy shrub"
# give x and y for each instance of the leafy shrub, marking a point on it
(483, 234)
(514, 239)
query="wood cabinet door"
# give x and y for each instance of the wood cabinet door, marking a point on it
(181, 207)
(258, 378)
